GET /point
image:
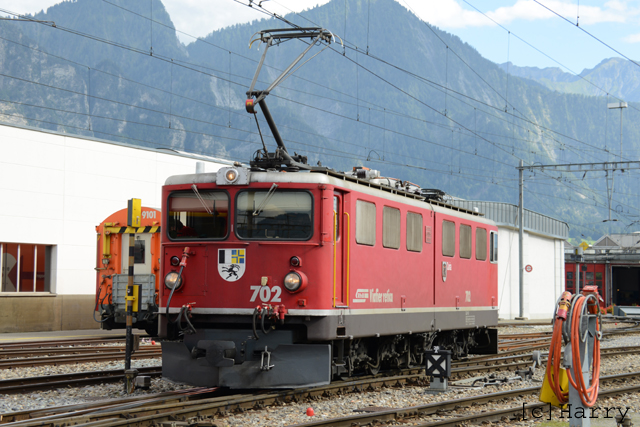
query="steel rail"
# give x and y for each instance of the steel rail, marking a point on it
(54, 414)
(50, 351)
(68, 360)
(149, 415)
(59, 342)
(449, 405)
(76, 379)
(605, 351)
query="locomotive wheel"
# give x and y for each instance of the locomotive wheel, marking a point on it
(373, 370)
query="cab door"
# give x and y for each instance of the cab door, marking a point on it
(340, 245)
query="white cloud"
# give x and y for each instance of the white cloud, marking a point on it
(199, 18)
(451, 14)
(445, 13)
(632, 38)
(195, 17)
(27, 6)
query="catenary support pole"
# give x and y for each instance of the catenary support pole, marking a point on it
(520, 240)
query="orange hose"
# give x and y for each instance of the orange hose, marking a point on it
(588, 395)
(553, 362)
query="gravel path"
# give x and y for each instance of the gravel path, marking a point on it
(294, 413)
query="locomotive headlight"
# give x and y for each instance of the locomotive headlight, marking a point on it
(292, 281)
(235, 175)
(173, 280)
(231, 176)
(295, 281)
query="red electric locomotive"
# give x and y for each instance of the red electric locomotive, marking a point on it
(286, 275)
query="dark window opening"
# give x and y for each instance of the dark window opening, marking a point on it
(274, 214)
(138, 252)
(202, 215)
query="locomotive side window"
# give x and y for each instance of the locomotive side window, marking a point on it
(365, 223)
(198, 216)
(481, 244)
(391, 227)
(465, 241)
(414, 232)
(448, 238)
(494, 246)
(268, 214)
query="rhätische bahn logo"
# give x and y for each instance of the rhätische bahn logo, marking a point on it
(231, 263)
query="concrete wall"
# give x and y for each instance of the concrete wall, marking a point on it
(29, 313)
(542, 286)
(55, 189)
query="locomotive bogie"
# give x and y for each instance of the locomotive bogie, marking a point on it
(316, 269)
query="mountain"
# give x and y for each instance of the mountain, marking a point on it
(416, 103)
(617, 77)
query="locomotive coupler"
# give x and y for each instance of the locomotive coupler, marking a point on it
(266, 366)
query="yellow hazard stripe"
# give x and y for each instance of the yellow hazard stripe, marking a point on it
(133, 230)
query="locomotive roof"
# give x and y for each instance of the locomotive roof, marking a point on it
(331, 177)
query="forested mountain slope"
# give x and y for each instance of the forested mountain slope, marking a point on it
(411, 100)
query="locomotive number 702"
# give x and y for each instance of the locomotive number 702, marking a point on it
(266, 294)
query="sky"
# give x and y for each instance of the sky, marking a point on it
(503, 31)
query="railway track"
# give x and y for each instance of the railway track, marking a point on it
(528, 340)
(69, 351)
(114, 354)
(516, 359)
(200, 408)
(222, 404)
(479, 415)
(61, 342)
(53, 415)
(76, 379)
(507, 360)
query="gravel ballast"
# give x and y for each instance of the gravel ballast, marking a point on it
(295, 413)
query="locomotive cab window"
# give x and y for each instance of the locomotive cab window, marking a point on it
(414, 232)
(365, 223)
(481, 244)
(465, 241)
(274, 214)
(391, 227)
(202, 215)
(494, 246)
(448, 238)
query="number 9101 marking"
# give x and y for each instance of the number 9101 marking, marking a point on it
(266, 294)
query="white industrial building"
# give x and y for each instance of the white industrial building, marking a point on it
(55, 189)
(543, 244)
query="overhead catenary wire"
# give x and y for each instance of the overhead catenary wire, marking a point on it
(471, 132)
(588, 33)
(265, 11)
(579, 75)
(444, 88)
(409, 95)
(195, 70)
